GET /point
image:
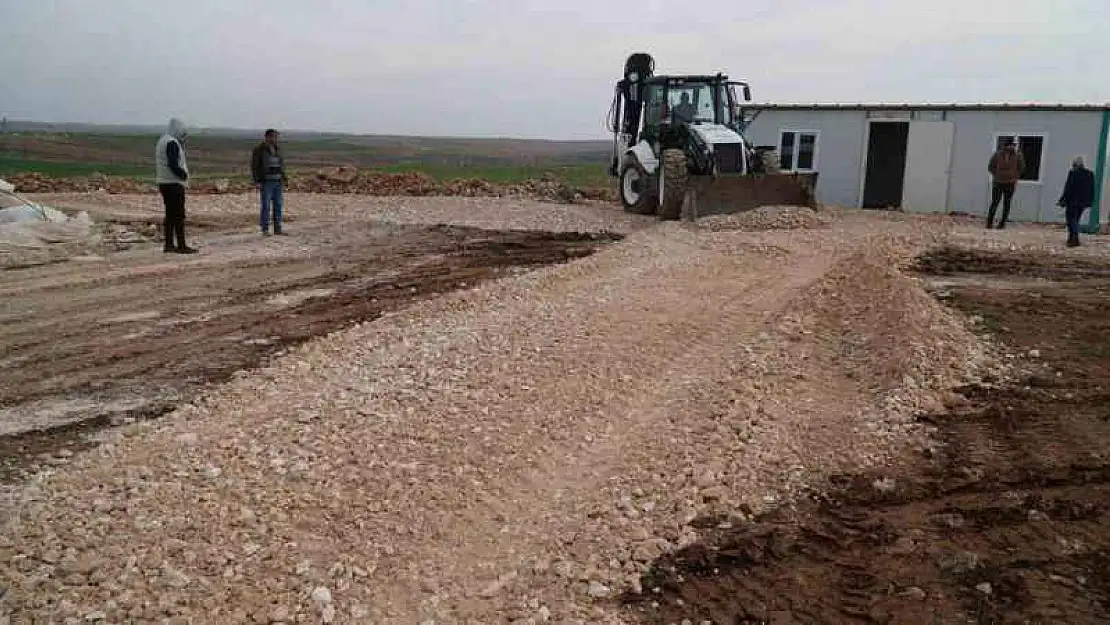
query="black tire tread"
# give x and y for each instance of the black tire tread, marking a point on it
(646, 205)
(676, 175)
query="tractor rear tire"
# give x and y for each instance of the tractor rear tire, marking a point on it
(634, 188)
(674, 175)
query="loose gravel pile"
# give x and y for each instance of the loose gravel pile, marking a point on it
(515, 452)
(340, 180)
(765, 218)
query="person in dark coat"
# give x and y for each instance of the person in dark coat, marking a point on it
(268, 173)
(1078, 195)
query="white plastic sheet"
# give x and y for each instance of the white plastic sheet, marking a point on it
(27, 225)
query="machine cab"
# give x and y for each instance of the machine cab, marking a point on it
(692, 100)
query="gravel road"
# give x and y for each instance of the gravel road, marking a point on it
(521, 450)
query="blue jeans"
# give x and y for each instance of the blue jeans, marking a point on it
(271, 194)
(1072, 215)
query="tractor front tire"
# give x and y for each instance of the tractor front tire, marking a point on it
(634, 188)
(674, 175)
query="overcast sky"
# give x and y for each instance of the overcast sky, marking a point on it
(522, 68)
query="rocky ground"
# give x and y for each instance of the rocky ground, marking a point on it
(526, 450)
(338, 180)
(1002, 519)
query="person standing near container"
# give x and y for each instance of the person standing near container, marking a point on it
(268, 172)
(1078, 195)
(1005, 167)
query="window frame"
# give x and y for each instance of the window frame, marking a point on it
(798, 132)
(1017, 135)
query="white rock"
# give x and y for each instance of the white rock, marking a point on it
(321, 594)
(597, 590)
(495, 586)
(188, 439)
(913, 592)
(885, 485)
(565, 569)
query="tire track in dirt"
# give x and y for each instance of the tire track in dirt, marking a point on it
(723, 302)
(451, 462)
(134, 343)
(543, 527)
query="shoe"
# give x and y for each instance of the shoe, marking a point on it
(265, 233)
(185, 249)
(279, 232)
(169, 249)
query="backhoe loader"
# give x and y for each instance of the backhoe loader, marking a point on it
(679, 149)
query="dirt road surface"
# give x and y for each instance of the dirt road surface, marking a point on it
(124, 336)
(1005, 520)
(528, 449)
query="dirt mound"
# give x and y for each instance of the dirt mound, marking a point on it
(34, 182)
(345, 180)
(471, 187)
(890, 331)
(350, 180)
(222, 185)
(1006, 523)
(765, 218)
(548, 188)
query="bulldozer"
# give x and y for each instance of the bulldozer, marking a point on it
(679, 149)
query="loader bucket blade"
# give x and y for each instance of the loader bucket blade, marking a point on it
(715, 195)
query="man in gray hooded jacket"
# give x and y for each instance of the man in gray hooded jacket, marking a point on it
(171, 173)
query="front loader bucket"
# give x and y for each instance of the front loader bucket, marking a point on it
(724, 193)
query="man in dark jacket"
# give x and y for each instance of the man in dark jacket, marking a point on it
(1078, 195)
(268, 172)
(1005, 167)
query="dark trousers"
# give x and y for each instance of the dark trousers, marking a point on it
(1072, 215)
(173, 197)
(1001, 191)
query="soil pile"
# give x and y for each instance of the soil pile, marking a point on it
(1006, 522)
(765, 218)
(350, 180)
(889, 330)
(345, 180)
(34, 182)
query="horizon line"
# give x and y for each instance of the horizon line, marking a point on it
(197, 129)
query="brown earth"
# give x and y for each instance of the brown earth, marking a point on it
(1003, 520)
(332, 180)
(85, 348)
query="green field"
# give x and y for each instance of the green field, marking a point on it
(12, 164)
(65, 155)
